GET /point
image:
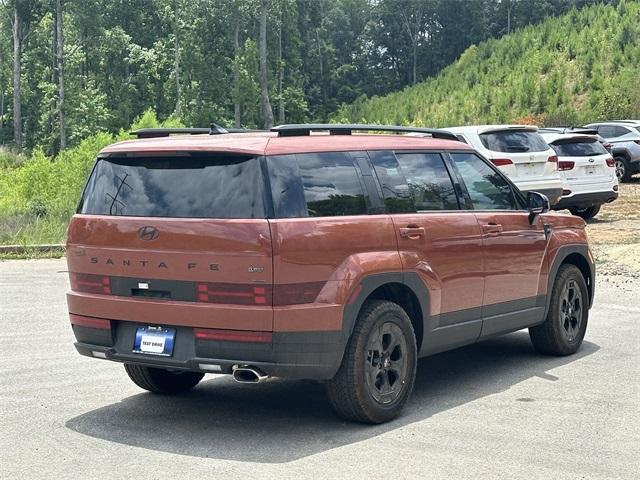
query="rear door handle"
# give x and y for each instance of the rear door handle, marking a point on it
(411, 232)
(492, 228)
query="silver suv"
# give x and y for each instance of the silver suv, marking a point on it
(624, 136)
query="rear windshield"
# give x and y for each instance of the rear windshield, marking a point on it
(514, 141)
(578, 148)
(183, 187)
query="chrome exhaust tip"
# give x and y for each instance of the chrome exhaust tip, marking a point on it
(247, 374)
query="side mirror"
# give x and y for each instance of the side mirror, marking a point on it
(537, 204)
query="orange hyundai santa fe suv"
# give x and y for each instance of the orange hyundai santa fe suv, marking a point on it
(337, 256)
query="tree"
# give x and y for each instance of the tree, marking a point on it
(60, 71)
(267, 113)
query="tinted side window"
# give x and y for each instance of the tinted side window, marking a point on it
(514, 141)
(612, 131)
(487, 189)
(395, 190)
(316, 185)
(429, 184)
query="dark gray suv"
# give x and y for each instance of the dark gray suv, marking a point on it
(624, 136)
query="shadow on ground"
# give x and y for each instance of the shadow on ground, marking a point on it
(281, 421)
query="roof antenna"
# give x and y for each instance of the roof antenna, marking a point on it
(217, 129)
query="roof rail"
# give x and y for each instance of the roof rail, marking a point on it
(215, 129)
(301, 129)
(565, 130)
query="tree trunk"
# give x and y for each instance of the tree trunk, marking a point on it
(415, 62)
(17, 100)
(176, 47)
(237, 113)
(267, 113)
(60, 69)
(280, 72)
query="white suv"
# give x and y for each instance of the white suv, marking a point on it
(520, 152)
(587, 170)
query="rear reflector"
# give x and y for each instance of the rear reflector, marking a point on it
(610, 162)
(232, 335)
(90, 322)
(566, 165)
(501, 162)
(89, 283)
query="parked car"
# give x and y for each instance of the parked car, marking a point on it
(580, 130)
(587, 170)
(520, 153)
(624, 136)
(335, 257)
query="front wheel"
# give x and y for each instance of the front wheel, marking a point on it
(585, 213)
(159, 380)
(379, 365)
(566, 324)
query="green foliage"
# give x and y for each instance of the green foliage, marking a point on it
(583, 66)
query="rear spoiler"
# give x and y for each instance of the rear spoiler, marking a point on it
(506, 128)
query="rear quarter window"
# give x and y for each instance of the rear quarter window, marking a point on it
(316, 185)
(514, 141)
(181, 187)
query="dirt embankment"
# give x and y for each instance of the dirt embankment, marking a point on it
(615, 238)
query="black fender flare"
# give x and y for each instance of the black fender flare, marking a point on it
(562, 254)
(369, 284)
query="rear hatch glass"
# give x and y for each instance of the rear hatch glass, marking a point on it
(578, 148)
(212, 186)
(514, 141)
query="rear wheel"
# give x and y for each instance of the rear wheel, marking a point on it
(623, 169)
(566, 324)
(586, 213)
(159, 380)
(379, 365)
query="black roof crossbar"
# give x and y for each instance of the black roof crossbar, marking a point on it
(215, 129)
(302, 129)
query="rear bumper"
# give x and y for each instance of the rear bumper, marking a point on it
(301, 355)
(586, 200)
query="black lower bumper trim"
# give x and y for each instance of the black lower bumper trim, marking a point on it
(298, 355)
(586, 200)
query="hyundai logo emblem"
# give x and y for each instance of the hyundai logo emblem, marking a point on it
(148, 233)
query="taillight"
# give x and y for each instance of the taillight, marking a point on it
(566, 165)
(89, 283)
(232, 335)
(554, 159)
(501, 162)
(610, 162)
(233, 293)
(239, 294)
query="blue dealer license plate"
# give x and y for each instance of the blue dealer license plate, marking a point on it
(154, 341)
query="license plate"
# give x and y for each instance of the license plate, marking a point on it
(528, 169)
(590, 169)
(154, 341)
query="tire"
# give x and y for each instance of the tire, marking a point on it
(564, 328)
(586, 213)
(378, 369)
(159, 380)
(623, 169)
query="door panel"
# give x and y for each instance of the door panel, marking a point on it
(447, 256)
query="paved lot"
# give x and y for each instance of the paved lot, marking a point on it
(492, 410)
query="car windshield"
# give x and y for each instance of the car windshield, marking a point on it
(578, 148)
(513, 141)
(182, 187)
